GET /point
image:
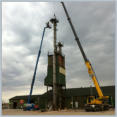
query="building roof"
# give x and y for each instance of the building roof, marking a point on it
(25, 97)
(107, 90)
(86, 91)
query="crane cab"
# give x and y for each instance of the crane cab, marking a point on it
(93, 100)
(97, 104)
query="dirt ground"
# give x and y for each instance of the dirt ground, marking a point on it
(62, 112)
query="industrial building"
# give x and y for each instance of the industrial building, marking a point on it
(73, 98)
(72, 95)
(60, 75)
(91, 98)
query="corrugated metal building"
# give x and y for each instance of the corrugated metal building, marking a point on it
(71, 96)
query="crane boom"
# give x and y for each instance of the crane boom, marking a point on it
(38, 56)
(74, 32)
(87, 62)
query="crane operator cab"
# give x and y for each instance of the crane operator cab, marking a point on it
(97, 104)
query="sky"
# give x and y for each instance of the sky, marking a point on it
(22, 27)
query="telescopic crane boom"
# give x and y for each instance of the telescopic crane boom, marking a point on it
(35, 70)
(87, 62)
(98, 103)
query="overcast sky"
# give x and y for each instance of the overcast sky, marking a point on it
(22, 28)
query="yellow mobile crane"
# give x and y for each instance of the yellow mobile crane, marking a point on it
(93, 104)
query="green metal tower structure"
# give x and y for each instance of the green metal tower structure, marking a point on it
(60, 75)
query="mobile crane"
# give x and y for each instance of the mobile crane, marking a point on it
(93, 104)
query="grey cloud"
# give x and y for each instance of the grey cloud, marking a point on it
(22, 30)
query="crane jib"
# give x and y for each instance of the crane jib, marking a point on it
(38, 56)
(74, 32)
(87, 62)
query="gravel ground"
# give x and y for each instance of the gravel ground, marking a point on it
(62, 112)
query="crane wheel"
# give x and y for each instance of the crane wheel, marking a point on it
(97, 108)
(106, 107)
